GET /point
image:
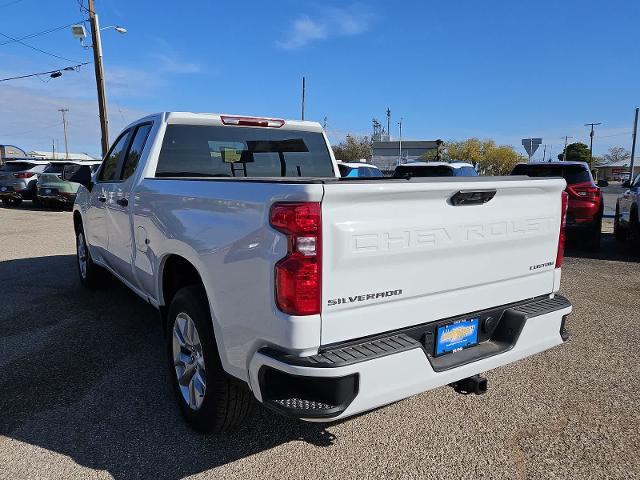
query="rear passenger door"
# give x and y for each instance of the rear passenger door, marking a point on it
(120, 227)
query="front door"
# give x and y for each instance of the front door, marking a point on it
(97, 218)
(121, 240)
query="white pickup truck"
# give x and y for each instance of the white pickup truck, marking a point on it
(320, 296)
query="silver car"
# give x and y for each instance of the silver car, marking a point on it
(18, 180)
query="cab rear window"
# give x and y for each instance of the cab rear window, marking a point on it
(571, 173)
(212, 151)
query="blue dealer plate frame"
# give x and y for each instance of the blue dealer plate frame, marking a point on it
(457, 335)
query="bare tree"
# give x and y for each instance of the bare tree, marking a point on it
(616, 154)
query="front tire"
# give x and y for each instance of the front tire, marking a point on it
(91, 275)
(210, 400)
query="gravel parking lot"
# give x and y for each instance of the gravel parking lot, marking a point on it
(84, 390)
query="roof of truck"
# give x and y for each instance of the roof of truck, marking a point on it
(216, 119)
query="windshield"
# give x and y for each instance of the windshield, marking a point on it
(17, 166)
(571, 173)
(207, 151)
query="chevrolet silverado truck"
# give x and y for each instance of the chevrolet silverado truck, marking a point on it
(319, 296)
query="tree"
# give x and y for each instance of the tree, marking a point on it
(471, 150)
(616, 154)
(353, 148)
(499, 160)
(576, 152)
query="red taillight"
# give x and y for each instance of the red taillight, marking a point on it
(252, 121)
(24, 175)
(563, 234)
(299, 274)
(584, 191)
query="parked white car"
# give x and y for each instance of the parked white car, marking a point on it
(359, 170)
(435, 169)
(319, 296)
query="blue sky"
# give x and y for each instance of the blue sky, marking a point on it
(451, 69)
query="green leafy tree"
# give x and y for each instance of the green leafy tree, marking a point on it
(499, 160)
(353, 148)
(576, 152)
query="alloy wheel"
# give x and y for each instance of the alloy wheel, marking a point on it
(188, 361)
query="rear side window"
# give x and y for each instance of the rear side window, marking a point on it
(17, 167)
(110, 165)
(135, 150)
(374, 172)
(210, 151)
(404, 171)
(571, 173)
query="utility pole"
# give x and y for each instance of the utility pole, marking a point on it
(64, 125)
(400, 151)
(304, 90)
(99, 69)
(324, 124)
(564, 152)
(389, 122)
(53, 149)
(544, 153)
(633, 144)
(591, 141)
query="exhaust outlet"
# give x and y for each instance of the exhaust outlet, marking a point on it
(476, 385)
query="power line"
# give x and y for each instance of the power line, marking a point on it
(44, 32)
(10, 3)
(72, 67)
(37, 49)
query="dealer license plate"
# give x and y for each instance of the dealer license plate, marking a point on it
(457, 335)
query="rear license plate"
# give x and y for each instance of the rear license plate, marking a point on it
(457, 335)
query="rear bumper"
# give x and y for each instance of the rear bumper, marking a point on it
(355, 377)
(8, 191)
(54, 194)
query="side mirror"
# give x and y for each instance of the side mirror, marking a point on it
(603, 183)
(626, 184)
(82, 175)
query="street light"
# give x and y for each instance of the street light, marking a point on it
(117, 28)
(79, 32)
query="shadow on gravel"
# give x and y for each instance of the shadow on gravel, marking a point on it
(610, 249)
(83, 374)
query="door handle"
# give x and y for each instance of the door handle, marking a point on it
(123, 202)
(102, 199)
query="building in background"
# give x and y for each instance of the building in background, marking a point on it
(616, 171)
(8, 152)
(386, 155)
(42, 155)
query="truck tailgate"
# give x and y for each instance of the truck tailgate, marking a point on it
(398, 253)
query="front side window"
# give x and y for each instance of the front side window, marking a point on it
(110, 164)
(213, 151)
(135, 150)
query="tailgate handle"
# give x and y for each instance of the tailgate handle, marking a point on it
(472, 197)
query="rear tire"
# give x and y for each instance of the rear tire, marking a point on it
(91, 275)
(619, 232)
(11, 202)
(595, 236)
(210, 400)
